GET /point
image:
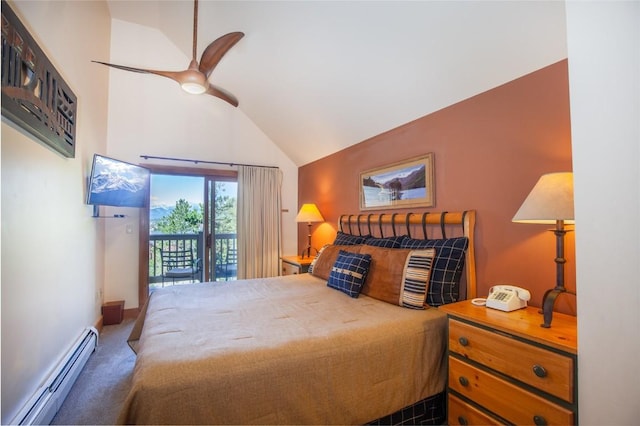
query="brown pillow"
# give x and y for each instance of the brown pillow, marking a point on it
(384, 280)
(398, 276)
(324, 261)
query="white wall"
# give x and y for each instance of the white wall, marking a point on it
(151, 115)
(52, 255)
(604, 74)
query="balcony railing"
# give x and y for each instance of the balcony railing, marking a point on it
(225, 257)
(223, 265)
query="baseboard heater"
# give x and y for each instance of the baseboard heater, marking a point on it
(48, 399)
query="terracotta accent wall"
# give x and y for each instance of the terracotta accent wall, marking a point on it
(489, 152)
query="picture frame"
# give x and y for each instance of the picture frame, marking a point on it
(409, 183)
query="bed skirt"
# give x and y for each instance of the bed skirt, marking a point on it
(429, 411)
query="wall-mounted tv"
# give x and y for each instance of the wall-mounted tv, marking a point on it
(117, 183)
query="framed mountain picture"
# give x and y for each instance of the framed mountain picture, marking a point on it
(405, 184)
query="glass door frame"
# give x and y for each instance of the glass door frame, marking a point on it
(143, 228)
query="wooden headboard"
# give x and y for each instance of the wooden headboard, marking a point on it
(428, 225)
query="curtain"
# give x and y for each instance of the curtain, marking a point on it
(259, 221)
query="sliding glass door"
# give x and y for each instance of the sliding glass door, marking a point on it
(176, 224)
(192, 213)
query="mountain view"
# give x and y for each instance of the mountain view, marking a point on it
(158, 212)
(176, 205)
(116, 183)
(404, 181)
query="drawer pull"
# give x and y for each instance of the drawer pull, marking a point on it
(462, 420)
(463, 341)
(539, 421)
(463, 381)
(539, 371)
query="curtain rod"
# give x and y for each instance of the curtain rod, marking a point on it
(148, 157)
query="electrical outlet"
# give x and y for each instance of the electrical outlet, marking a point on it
(129, 229)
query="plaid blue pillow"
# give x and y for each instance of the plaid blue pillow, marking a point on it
(343, 239)
(387, 242)
(349, 272)
(447, 267)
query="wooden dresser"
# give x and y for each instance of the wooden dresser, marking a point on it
(505, 368)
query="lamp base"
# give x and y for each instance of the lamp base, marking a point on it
(548, 301)
(307, 252)
(308, 247)
(550, 296)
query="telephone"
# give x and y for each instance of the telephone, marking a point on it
(507, 298)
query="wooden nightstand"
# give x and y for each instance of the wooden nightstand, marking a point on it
(505, 368)
(292, 265)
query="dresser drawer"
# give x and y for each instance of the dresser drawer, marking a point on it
(503, 398)
(289, 269)
(461, 413)
(546, 370)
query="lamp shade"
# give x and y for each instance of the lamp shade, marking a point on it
(309, 213)
(550, 200)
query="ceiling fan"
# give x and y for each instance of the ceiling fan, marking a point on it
(195, 79)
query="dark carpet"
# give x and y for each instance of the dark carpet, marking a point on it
(103, 384)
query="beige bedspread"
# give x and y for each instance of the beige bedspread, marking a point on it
(284, 350)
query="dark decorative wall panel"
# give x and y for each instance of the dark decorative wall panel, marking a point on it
(34, 95)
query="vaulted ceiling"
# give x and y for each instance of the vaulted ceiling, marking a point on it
(319, 76)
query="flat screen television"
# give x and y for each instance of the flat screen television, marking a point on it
(117, 183)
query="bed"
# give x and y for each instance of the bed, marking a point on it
(344, 344)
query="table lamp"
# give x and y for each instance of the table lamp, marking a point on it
(551, 202)
(309, 213)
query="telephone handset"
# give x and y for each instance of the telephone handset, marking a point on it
(507, 298)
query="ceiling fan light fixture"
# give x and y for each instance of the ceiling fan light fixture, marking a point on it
(193, 88)
(193, 81)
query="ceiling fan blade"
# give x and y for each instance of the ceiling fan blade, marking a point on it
(216, 50)
(174, 75)
(222, 94)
